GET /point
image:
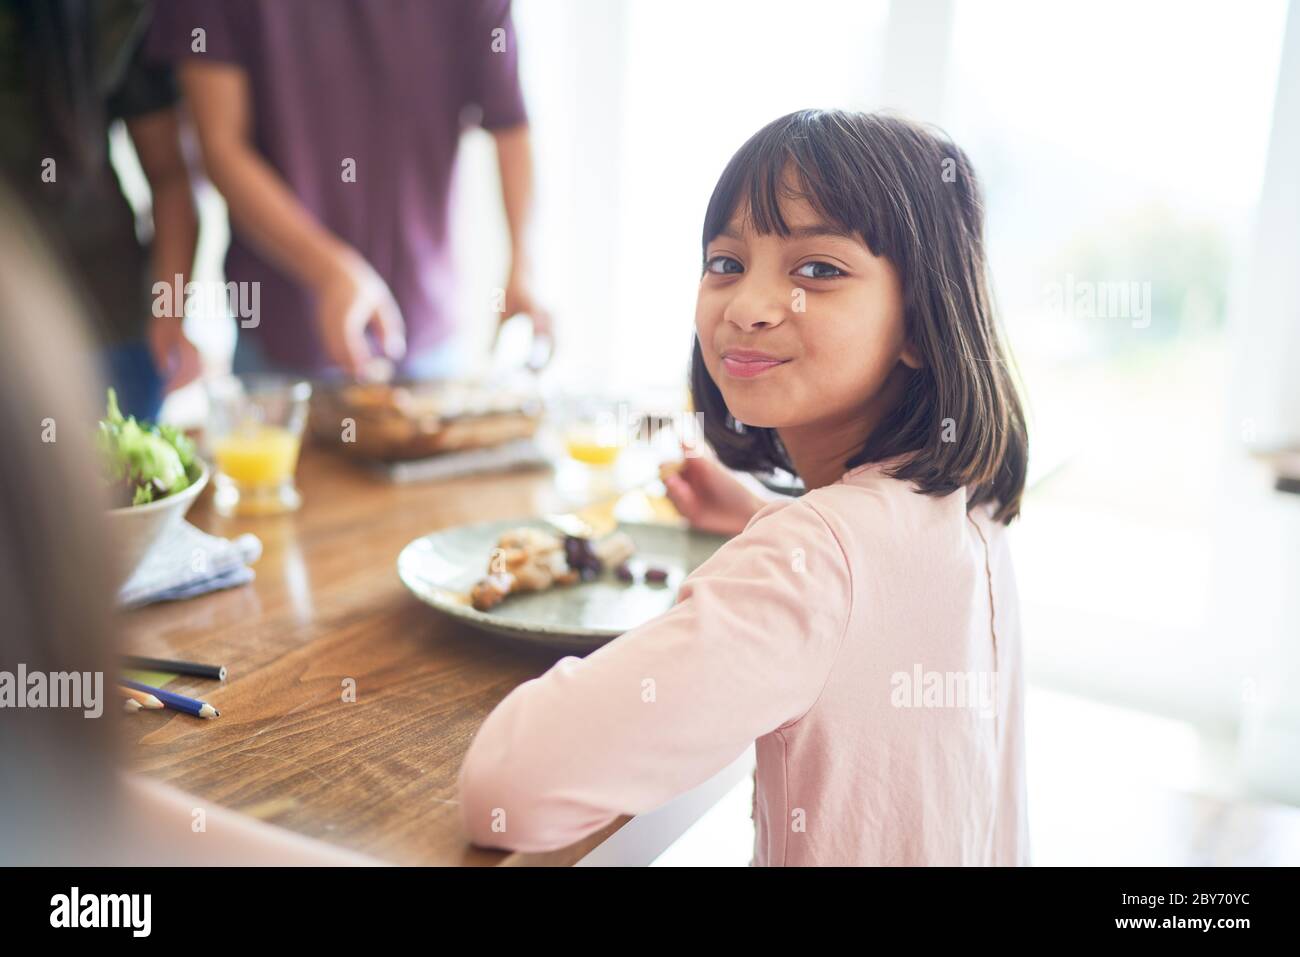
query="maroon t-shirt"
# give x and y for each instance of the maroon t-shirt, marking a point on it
(387, 84)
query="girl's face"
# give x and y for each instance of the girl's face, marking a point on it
(800, 329)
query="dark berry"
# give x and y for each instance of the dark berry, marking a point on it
(581, 557)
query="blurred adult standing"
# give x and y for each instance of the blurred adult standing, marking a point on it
(331, 127)
(68, 70)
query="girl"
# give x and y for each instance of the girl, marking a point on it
(865, 635)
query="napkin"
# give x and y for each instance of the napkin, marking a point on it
(189, 562)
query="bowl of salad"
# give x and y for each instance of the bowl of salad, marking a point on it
(153, 475)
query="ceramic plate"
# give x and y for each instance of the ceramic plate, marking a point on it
(440, 569)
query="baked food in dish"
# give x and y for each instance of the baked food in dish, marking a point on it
(405, 421)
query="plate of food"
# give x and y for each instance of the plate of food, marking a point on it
(531, 581)
(153, 475)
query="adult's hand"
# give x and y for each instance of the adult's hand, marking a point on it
(174, 356)
(519, 298)
(353, 299)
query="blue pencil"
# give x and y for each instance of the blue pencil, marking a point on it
(200, 709)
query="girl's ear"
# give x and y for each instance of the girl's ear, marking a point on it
(910, 357)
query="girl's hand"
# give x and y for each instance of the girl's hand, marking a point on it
(710, 497)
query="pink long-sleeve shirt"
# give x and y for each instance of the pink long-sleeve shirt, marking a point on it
(865, 636)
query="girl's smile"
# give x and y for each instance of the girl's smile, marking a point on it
(748, 363)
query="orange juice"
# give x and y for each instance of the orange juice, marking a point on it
(590, 450)
(263, 455)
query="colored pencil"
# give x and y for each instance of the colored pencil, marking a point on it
(200, 709)
(143, 699)
(131, 705)
(215, 672)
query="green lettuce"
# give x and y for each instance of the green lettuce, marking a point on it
(145, 462)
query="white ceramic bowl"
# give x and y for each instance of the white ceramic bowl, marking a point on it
(137, 528)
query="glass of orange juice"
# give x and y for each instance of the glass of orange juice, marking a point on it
(586, 438)
(254, 433)
(592, 430)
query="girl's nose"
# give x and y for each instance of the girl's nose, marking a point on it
(757, 306)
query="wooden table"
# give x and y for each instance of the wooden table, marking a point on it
(377, 775)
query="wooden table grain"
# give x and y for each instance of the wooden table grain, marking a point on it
(378, 774)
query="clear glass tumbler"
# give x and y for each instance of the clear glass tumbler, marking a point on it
(254, 434)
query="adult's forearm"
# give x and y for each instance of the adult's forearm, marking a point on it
(265, 210)
(157, 141)
(176, 233)
(515, 162)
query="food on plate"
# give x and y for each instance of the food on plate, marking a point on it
(141, 462)
(530, 559)
(656, 575)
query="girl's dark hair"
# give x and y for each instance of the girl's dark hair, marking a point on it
(911, 194)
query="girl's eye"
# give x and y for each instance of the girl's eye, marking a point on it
(819, 270)
(723, 265)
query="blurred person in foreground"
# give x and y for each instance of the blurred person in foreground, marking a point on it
(68, 70)
(65, 798)
(331, 128)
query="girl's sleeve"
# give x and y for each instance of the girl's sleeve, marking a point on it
(747, 648)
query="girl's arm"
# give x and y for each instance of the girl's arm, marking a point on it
(745, 650)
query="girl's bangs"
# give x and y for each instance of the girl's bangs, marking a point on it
(778, 165)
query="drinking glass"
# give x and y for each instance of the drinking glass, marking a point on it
(254, 433)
